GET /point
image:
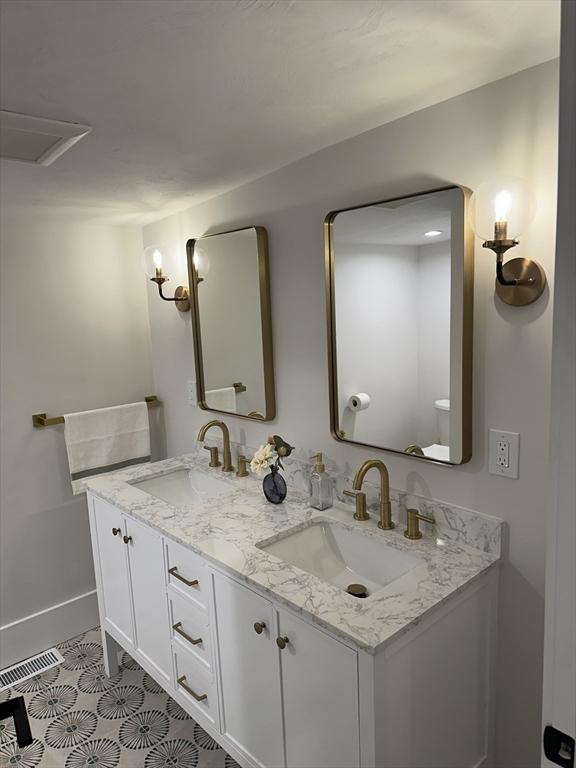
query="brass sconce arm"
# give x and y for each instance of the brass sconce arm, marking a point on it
(500, 246)
(181, 295)
(518, 281)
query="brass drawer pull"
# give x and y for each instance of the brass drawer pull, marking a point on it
(282, 642)
(178, 628)
(116, 531)
(174, 572)
(182, 682)
(259, 627)
(126, 539)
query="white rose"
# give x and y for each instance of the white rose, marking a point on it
(262, 458)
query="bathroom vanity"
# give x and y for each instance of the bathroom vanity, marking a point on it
(239, 610)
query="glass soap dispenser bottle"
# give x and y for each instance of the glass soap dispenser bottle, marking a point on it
(321, 487)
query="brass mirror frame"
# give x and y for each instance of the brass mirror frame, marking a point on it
(467, 313)
(266, 321)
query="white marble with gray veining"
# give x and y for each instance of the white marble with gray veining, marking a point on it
(226, 529)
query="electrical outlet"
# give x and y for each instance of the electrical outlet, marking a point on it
(192, 399)
(504, 453)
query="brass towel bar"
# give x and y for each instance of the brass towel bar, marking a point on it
(42, 420)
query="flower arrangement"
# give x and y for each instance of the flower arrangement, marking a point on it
(268, 457)
(269, 454)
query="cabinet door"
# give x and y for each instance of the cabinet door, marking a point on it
(249, 670)
(148, 577)
(113, 568)
(320, 695)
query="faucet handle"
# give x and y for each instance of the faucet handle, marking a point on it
(243, 462)
(360, 497)
(413, 531)
(214, 460)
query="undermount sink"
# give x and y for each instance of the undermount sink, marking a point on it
(340, 556)
(184, 487)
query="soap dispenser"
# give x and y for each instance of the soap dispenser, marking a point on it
(320, 485)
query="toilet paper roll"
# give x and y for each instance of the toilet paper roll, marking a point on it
(359, 402)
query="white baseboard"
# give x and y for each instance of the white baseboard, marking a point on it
(35, 633)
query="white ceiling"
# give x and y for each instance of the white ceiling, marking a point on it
(403, 222)
(190, 98)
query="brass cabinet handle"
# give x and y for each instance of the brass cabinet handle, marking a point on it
(178, 628)
(174, 572)
(126, 539)
(259, 627)
(116, 531)
(198, 697)
(282, 642)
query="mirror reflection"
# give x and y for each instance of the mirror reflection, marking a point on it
(232, 324)
(399, 333)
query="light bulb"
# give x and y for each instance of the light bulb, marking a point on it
(502, 205)
(154, 259)
(201, 262)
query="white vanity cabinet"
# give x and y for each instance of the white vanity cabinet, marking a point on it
(278, 691)
(148, 589)
(111, 565)
(132, 586)
(320, 696)
(289, 690)
(249, 672)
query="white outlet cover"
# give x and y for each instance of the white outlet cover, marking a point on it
(512, 439)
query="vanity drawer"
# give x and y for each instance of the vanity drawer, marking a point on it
(187, 574)
(190, 627)
(196, 685)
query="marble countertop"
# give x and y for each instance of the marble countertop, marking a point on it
(226, 529)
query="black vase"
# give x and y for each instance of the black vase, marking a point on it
(274, 486)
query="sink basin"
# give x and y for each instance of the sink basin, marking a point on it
(184, 487)
(340, 556)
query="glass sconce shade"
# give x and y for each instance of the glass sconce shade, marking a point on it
(506, 201)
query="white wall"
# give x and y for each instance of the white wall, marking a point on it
(559, 699)
(506, 127)
(377, 341)
(75, 335)
(433, 314)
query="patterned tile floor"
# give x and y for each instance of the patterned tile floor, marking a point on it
(81, 719)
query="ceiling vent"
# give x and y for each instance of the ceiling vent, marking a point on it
(36, 139)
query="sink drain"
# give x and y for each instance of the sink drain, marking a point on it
(357, 590)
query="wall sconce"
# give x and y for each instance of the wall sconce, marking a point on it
(181, 295)
(201, 263)
(500, 210)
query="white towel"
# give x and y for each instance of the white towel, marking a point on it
(222, 399)
(106, 439)
(437, 451)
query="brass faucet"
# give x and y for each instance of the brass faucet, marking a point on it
(414, 450)
(385, 522)
(413, 517)
(228, 467)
